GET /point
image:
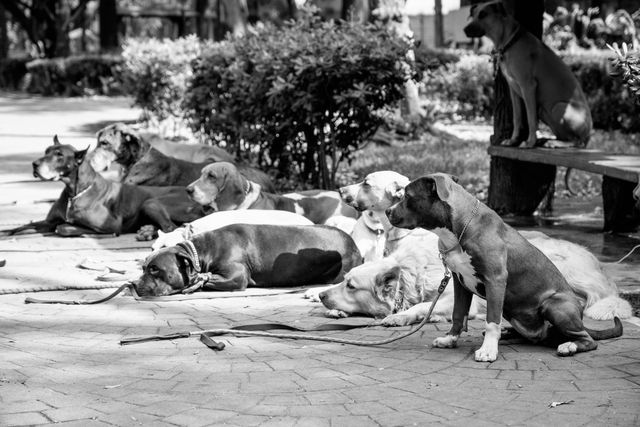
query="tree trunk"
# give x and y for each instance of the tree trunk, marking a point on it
(517, 187)
(108, 25)
(439, 24)
(4, 39)
(62, 25)
(201, 21)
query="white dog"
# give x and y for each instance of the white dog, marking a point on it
(400, 287)
(221, 219)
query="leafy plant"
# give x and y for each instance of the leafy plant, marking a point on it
(300, 98)
(627, 65)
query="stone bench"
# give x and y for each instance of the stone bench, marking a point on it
(620, 177)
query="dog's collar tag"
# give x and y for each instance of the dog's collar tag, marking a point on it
(497, 54)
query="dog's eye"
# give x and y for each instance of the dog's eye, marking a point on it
(482, 14)
(212, 175)
(58, 153)
(350, 286)
(153, 269)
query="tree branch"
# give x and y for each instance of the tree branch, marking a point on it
(19, 15)
(77, 11)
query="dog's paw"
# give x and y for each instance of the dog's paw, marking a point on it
(567, 349)
(486, 354)
(146, 233)
(336, 314)
(448, 341)
(397, 320)
(511, 142)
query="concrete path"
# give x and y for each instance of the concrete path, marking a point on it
(63, 364)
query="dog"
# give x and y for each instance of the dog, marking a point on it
(536, 75)
(222, 188)
(237, 256)
(156, 161)
(90, 203)
(373, 233)
(157, 169)
(218, 220)
(400, 287)
(492, 260)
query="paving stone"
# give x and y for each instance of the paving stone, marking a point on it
(23, 419)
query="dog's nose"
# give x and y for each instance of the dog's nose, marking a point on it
(189, 190)
(36, 164)
(322, 296)
(388, 212)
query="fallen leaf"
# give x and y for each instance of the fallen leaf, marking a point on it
(565, 402)
(112, 386)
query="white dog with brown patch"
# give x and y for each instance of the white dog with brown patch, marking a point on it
(399, 287)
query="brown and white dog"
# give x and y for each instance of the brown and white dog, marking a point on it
(490, 259)
(242, 255)
(221, 187)
(400, 287)
(537, 76)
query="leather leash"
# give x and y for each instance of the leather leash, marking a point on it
(247, 330)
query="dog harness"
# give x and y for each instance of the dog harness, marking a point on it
(497, 54)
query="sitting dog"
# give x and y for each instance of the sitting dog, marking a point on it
(241, 255)
(492, 260)
(218, 220)
(373, 233)
(536, 75)
(157, 169)
(222, 188)
(400, 287)
(91, 203)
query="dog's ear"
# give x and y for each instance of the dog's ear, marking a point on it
(443, 183)
(497, 8)
(56, 141)
(385, 283)
(395, 190)
(81, 155)
(185, 258)
(231, 186)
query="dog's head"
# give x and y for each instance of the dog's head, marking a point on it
(427, 203)
(59, 161)
(378, 191)
(375, 289)
(149, 170)
(220, 187)
(117, 143)
(485, 16)
(166, 271)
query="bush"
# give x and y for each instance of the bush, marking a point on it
(76, 75)
(612, 104)
(429, 59)
(300, 98)
(12, 72)
(463, 88)
(156, 72)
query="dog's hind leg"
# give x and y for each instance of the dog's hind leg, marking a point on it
(158, 214)
(563, 311)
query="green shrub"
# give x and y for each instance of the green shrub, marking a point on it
(300, 98)
(430, 59)
(461, 89)
(12, 72)
(76, 75)
(156, 72)
(612, 104)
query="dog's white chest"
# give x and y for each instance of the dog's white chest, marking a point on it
(459, 262)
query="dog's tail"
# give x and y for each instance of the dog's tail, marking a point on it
(608, 308)
(605, 334)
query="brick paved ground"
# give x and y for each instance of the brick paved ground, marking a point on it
(63, 364)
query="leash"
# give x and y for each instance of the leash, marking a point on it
(628, 254)
(205, 336)
(30, 300)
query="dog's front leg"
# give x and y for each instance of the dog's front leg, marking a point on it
(529, 96)
(516, 109)
(235, 277)
(461, 303)
(496, 287)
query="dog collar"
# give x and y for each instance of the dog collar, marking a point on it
(398, 301)
(248, 189)
(373, 223)
(191, 249)
(476, 207)
(497, 54)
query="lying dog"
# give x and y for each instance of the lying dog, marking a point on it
(536, 75)
(218, 220)
(492, 260)
(222, 188)
(373, 233)
(237, 256)
(156, 161)
(90, 203)
(157, 169)
(400, 287)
